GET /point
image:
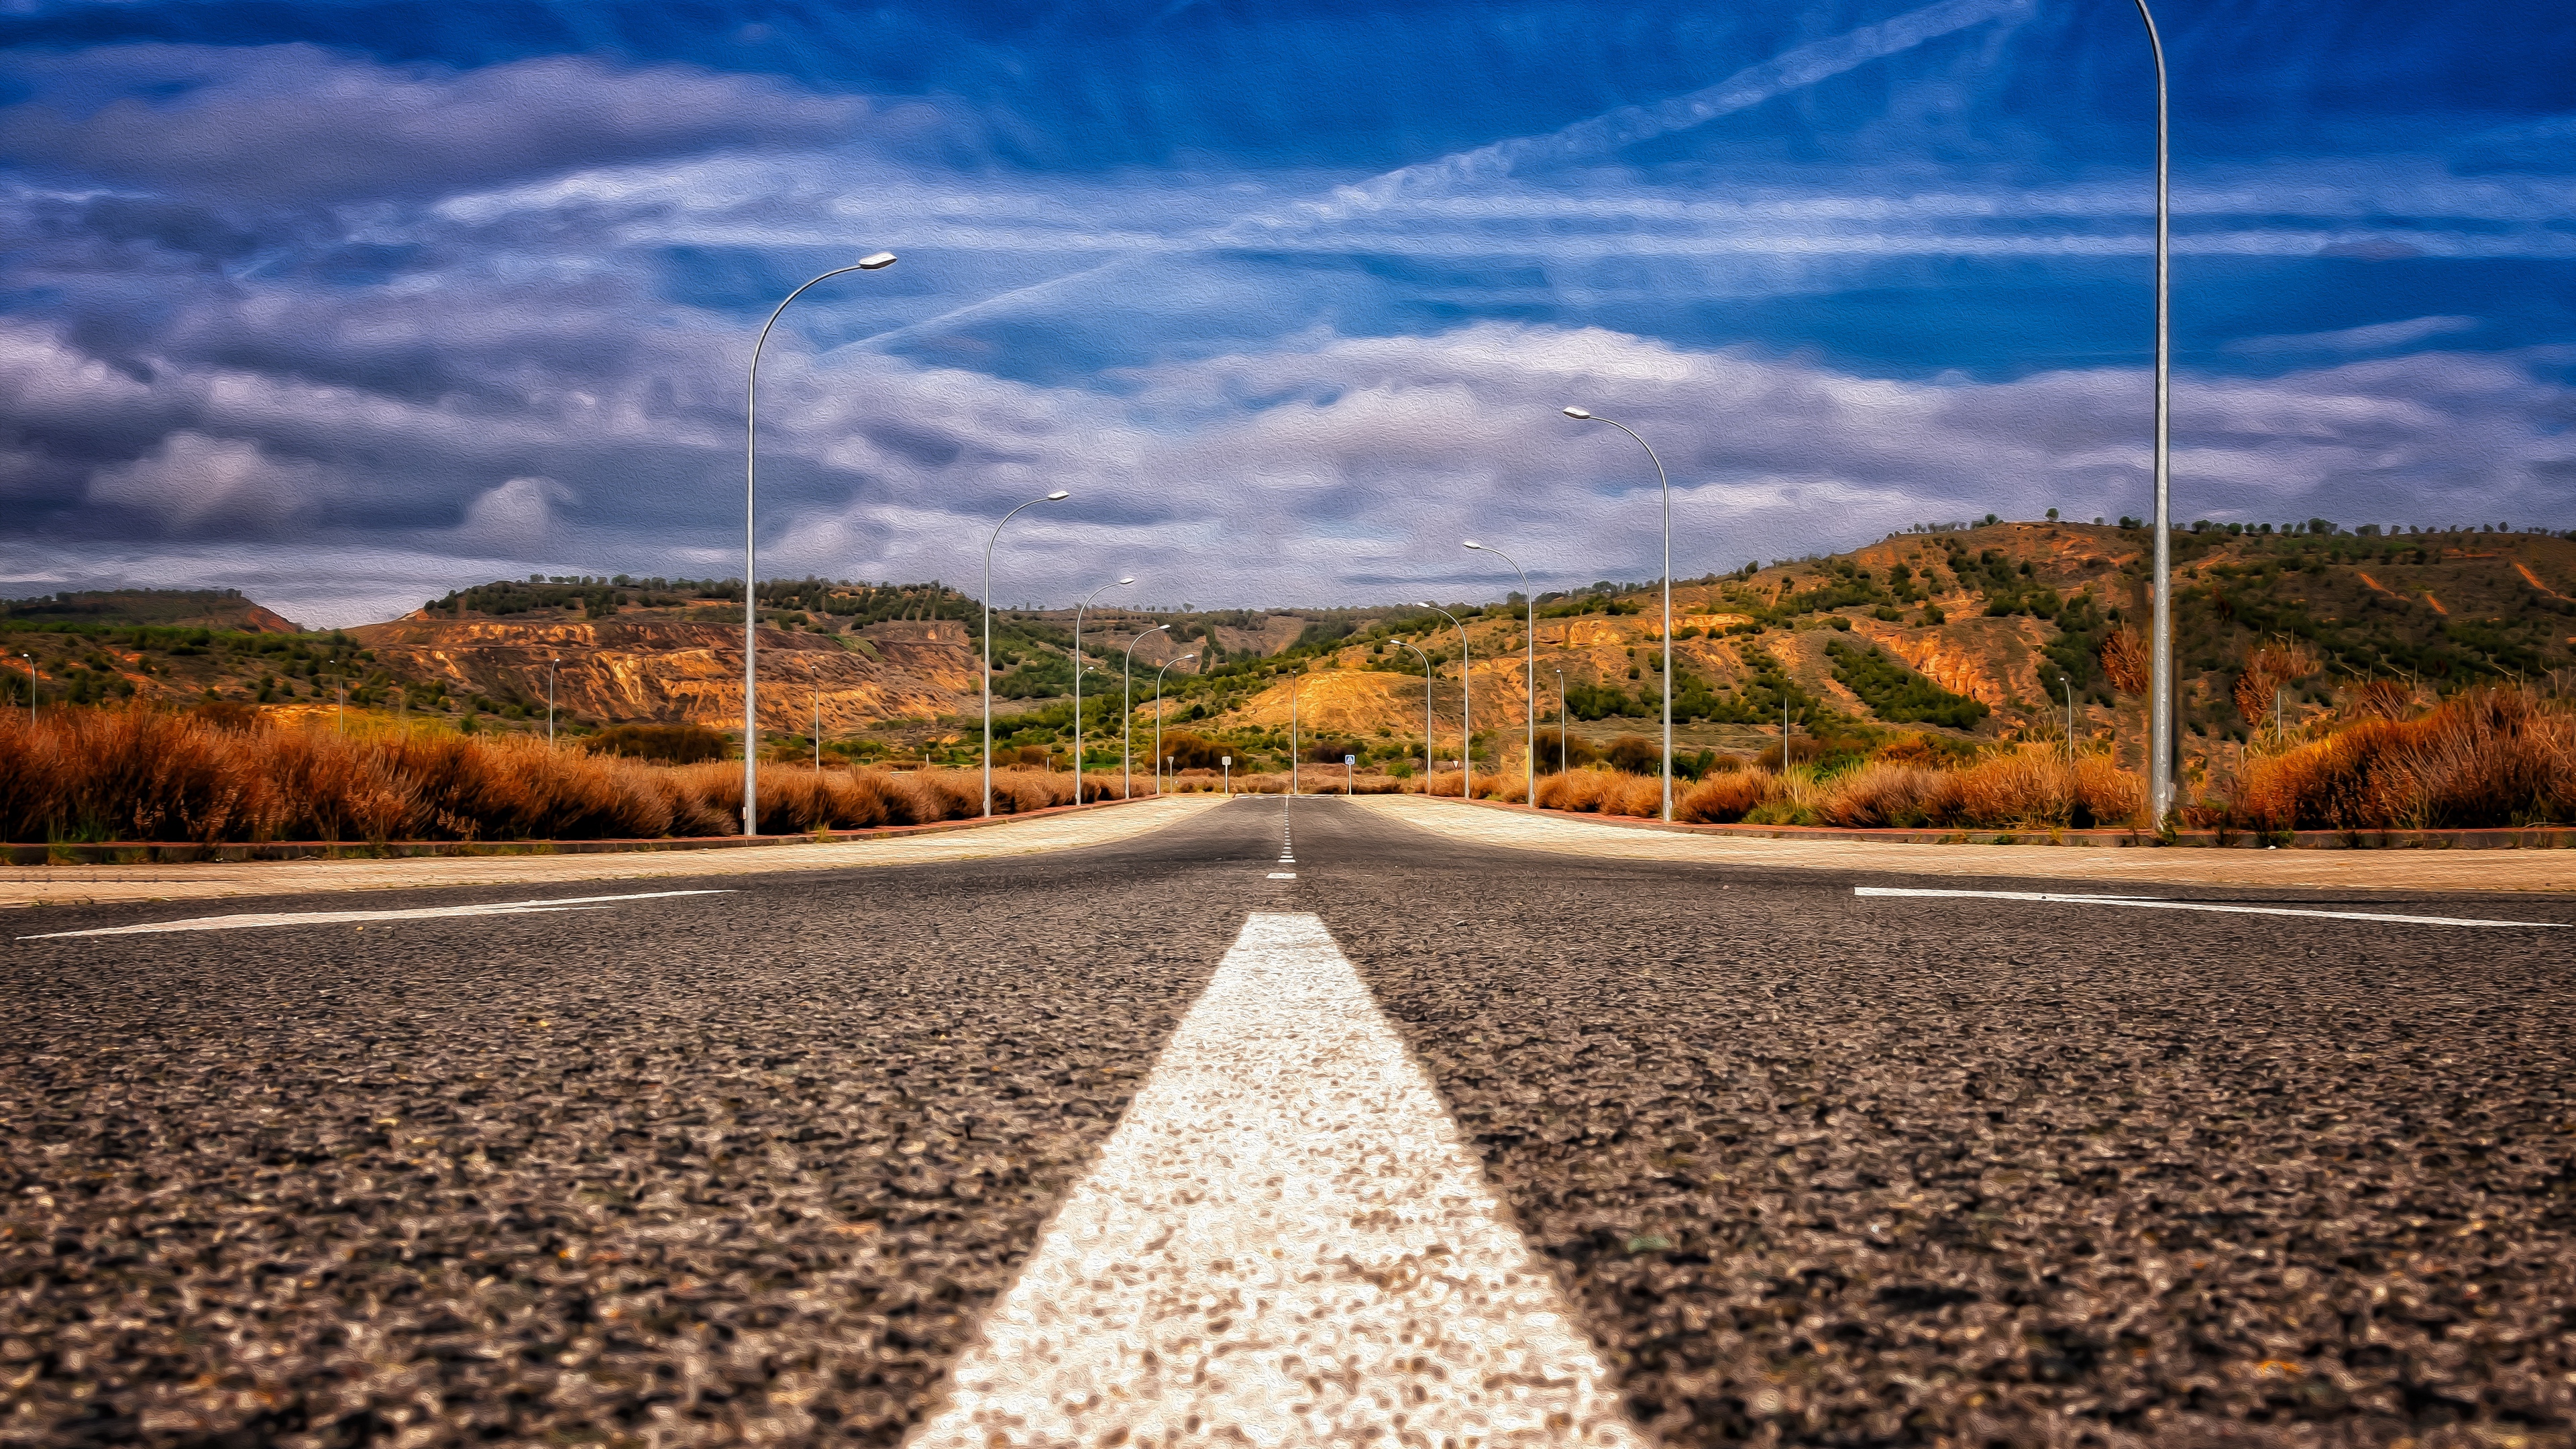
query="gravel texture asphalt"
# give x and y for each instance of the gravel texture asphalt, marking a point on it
(749, 1166)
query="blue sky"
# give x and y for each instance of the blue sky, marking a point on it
(345, 304)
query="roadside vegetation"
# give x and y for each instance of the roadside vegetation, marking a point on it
(2489, 756)
(226, 774)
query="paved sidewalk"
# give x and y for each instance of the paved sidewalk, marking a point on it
(98, 884)
(2392, 870)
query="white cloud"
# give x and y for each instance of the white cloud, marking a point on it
(192, 483)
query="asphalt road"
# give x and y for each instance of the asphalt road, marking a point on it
(1812, 1167)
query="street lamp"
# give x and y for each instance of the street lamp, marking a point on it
(1127, 714)
(814, 683)
(1077, 679)
(1560, 723)
(1466, 710)
(1058, 496)
(1294, 675)
(1426, 713)
(551, 661)
(1530, 599)
(750, 551)
(2160, 709)
(1159, 761)
(1661, 477)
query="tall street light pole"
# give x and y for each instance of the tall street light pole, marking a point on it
(1293, 748)
(1466, 709)
(1426, 712)
(1158, 716)
(814, 683)
(751, 555)
(1530, 627)
(551, 661)
(1127, 713)
(2160, 709)
(1077, 679)
(1666, 482)
(1058, 496)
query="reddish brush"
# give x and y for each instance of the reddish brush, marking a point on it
(1886, 793)
(1726, 799)
(2484, 757)
(145, 774)
(1578, 790)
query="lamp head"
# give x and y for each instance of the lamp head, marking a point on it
(1577, 413)
(1058, 496)
(876, 263)
(1163, 628)
(1128, 580)
(1426, 603)
(1471, 543)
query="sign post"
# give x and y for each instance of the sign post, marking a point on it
(1228, 761)
(1350, 763)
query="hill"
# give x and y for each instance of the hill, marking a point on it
(1958, 634)
(193, 608)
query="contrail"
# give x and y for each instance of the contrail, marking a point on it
(1598, 136)
(1603, 134)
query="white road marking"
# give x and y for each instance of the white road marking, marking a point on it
(329, 918)
(2152, 903)
(1283, 1242)
(1283, 875)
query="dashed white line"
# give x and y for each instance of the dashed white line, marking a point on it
(1283, 1242)
(2152, 903)
(327, 918)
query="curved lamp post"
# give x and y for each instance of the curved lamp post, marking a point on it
(1426, 712)
(1158, 716)
(1077, 679)
(2160, 709)
(1662, 478)
(1466, 709)
(1531, 628)
(1127, 714)
(750, 551)
(1058, 496)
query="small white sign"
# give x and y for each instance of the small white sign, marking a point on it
(1350, 759)
(1228, 761)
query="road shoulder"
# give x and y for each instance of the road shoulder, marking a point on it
(2467, 871)
(107, 884)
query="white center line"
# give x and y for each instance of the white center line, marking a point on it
(327, 918)
(1283, 1242)
(2151, 903)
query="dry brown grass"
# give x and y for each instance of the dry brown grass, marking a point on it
(2484, 757)
(1726, 799)
(145, 774)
